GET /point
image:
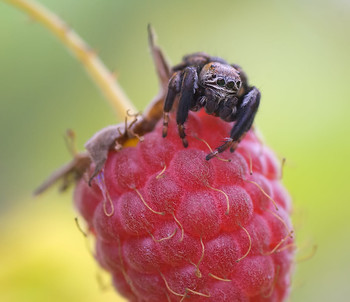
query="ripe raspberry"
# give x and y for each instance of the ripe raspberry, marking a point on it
(171, 226)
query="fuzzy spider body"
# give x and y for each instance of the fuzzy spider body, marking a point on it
(222, 89)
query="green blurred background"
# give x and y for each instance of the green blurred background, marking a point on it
(296, 52)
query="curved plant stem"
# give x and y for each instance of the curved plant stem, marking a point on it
(97, 70)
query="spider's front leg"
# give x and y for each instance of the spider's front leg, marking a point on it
(185, 83)
(189, 86)
(245, 118)
(173, 89)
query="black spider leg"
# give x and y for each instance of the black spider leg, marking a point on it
(173, 89)
(189, 86)
(245, 117)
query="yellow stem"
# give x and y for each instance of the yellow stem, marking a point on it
(97, 70)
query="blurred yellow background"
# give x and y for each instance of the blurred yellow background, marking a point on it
(296, 53)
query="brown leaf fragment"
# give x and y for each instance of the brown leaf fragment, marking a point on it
(163, 68)
(102, 142)
(154, 111)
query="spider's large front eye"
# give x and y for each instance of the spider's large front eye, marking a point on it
(221, 82)
(230, 85)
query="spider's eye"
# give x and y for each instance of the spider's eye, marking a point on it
(213, 76)
(221, 82)
(230, 85)
(239, 83)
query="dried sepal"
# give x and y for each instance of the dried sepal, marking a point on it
(67, 174)
(114, 137)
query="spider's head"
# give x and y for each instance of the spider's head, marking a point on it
(222, 78)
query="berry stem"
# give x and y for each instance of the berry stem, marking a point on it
(101, 76)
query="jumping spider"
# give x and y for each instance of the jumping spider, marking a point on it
(222, 89)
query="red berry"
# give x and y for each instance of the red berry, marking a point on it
(171, 226)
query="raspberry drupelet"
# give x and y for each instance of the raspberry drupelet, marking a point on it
(172, 226)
